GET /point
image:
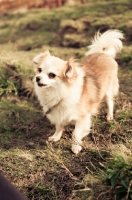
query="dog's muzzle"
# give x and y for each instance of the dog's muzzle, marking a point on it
(38, 79)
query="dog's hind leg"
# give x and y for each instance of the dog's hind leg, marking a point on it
(110, 105)
(111, 93)
(57, 135)
(82, 129)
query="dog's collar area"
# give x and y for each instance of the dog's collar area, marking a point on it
(50, 109)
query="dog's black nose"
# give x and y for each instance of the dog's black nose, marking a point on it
(38, 79)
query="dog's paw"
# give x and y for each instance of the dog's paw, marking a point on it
(109, 118)
(53, 138)
(76, 148)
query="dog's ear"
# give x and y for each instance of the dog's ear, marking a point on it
(37, 59)
(69, 71)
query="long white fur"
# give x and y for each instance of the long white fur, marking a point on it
(109, 43)
(49, 97)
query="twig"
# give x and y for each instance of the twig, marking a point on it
(82, 190)
(128, 191)
(103, 193)
(59, 161)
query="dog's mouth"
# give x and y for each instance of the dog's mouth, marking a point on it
(41, 85)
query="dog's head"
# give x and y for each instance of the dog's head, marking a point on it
(52, 71)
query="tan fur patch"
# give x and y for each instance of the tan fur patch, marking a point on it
(70, 65)
(100, 70)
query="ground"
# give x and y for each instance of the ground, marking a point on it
(42, 170)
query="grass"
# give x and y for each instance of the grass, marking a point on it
(39, 169)
(120, 177)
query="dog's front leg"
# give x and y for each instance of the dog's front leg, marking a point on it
(57, 135)
(82, 129)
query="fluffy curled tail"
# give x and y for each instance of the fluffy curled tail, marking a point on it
(109, 43)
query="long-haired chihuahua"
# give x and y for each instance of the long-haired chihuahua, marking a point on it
(71, 92)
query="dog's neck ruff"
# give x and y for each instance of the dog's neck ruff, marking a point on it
(50, 109)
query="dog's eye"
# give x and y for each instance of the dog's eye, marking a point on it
(39, 70)
(52, 75)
